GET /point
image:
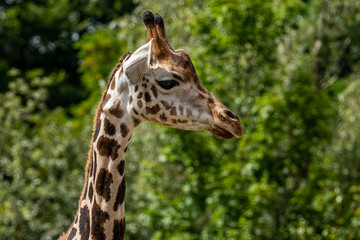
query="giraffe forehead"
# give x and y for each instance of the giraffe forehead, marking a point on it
(178, 63)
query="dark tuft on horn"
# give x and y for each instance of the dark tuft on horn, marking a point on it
(148, 17)
(159, 20)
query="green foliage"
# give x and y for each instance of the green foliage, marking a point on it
(289, 68)
(39, 149)
(40, 34)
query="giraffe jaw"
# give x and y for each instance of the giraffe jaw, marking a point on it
(223, 133)
(220, 133)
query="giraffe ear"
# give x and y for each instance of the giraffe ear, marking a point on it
(139, 62)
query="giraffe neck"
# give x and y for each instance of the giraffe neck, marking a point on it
(105, 192)
(101, 212)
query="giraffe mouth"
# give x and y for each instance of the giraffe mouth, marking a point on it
(220, 133)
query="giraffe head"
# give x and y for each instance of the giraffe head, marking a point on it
(164, 87)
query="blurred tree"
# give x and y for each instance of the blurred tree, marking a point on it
(41, 162)
(40, 34)
(290, 68)
(262, 188)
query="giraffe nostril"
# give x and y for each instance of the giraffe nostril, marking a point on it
(231, 115)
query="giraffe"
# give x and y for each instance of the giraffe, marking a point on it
(155, 83)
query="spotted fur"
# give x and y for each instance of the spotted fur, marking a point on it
(103, 184)
(98, 218)
(119, 229)
(109, 127)
(116, 109)
(97, 130)
(120, 196)
(121, 167)
(91, 191)
(125, 104)
(72, 234)
(108, 147)
(153, 110)
(124, 129)
(84, 223)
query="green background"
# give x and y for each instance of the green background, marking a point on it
(289, 68)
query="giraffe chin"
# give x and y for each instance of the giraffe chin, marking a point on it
(221, 133)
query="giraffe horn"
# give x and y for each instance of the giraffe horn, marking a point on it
(160, 29)
(148, 19)
(159, 48)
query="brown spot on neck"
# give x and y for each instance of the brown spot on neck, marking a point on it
(95, 162)
(92, 165)
(108, 147)
(91, 191)
(121, 167)
(85, 192)
(124, 129)
(84, 223)
(97, 130)
(116, 109)
(103, 184)
(72, 234)
(119, 229)
(120, 196)
(109, 127)
(98, 217)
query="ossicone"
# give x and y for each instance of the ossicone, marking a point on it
(148, 17)
(160, 29)
(156, 30)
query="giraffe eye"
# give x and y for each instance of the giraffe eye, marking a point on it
(167, 83)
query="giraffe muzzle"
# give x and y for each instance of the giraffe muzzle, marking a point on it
(227, 124)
